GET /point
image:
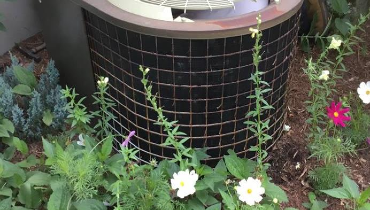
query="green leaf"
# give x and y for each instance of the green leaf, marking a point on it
(238, 167)
(28, 196)
(6, 192)
(342, 25)
(365, 195)
(59, 198)
(48, 148)
(39, 179)
(217, 206)
(20, 208)
(20, 145)
(22, 89)
(274, 191)
(106, 149)
(6, 204)
(8, 125)
(89, 204)
(202, 195)
(366, 206)
(351, 187)
(48, 117)
(3, 132)
(25, 76)
(9, 153)
(227, 200)
(9, 170)
(194, 204)
(340, 6)
(319, 205)
(340, 193)
(29, 162)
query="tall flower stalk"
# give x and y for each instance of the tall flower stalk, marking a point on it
(173, 133)
(258, 126)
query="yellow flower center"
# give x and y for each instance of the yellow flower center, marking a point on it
(336, 114)
(182, 184)
(249, 191)
(368, 92)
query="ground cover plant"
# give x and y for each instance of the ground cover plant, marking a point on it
(85, 165)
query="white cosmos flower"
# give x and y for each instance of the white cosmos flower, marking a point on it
(250, 191)
(364, 92)
(335, 43)
(184, 182)
(324, 75)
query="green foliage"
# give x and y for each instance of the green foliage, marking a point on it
(78, 115)
(327, 176)
(256, 124)
(350, 191)
(314, 204)
(331, 149)
(104, 115)
(29, 103)
(80, 169)
(20, 187)
(144, 188)
(358, 129)
(182, 153)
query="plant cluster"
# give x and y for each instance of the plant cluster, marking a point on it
(34, 106)
(336, 126)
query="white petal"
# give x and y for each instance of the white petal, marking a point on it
(174, 184)
(368, 84)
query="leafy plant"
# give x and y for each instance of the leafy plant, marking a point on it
(257, 125)
(358, 129)
(350, 191)
(327, 142)
(327, 176)
(34, 107)
(341, 12)
(182, 153)
(314, 204)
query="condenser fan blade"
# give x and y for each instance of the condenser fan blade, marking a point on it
(193, 4)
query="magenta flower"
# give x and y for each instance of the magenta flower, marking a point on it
(127, 140)
(336, 113)
(368, 140)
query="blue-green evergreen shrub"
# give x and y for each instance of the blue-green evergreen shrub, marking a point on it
(26, 112)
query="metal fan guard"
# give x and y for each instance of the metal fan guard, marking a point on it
(193, 4)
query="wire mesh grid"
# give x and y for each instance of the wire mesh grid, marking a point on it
(203, 84)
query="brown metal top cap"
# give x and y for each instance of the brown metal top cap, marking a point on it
(272, 15)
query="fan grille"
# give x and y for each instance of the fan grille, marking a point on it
(193, 4)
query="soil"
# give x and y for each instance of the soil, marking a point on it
(291, 150)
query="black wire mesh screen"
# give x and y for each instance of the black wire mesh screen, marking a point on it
(203, 84)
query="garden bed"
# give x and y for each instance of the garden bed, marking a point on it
(291, 151)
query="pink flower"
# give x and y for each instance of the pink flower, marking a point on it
(368, 140)
(336, 113)
(125, 143)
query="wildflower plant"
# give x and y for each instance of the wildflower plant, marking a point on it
(326, 140)
(182, 153)
(258, 126)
